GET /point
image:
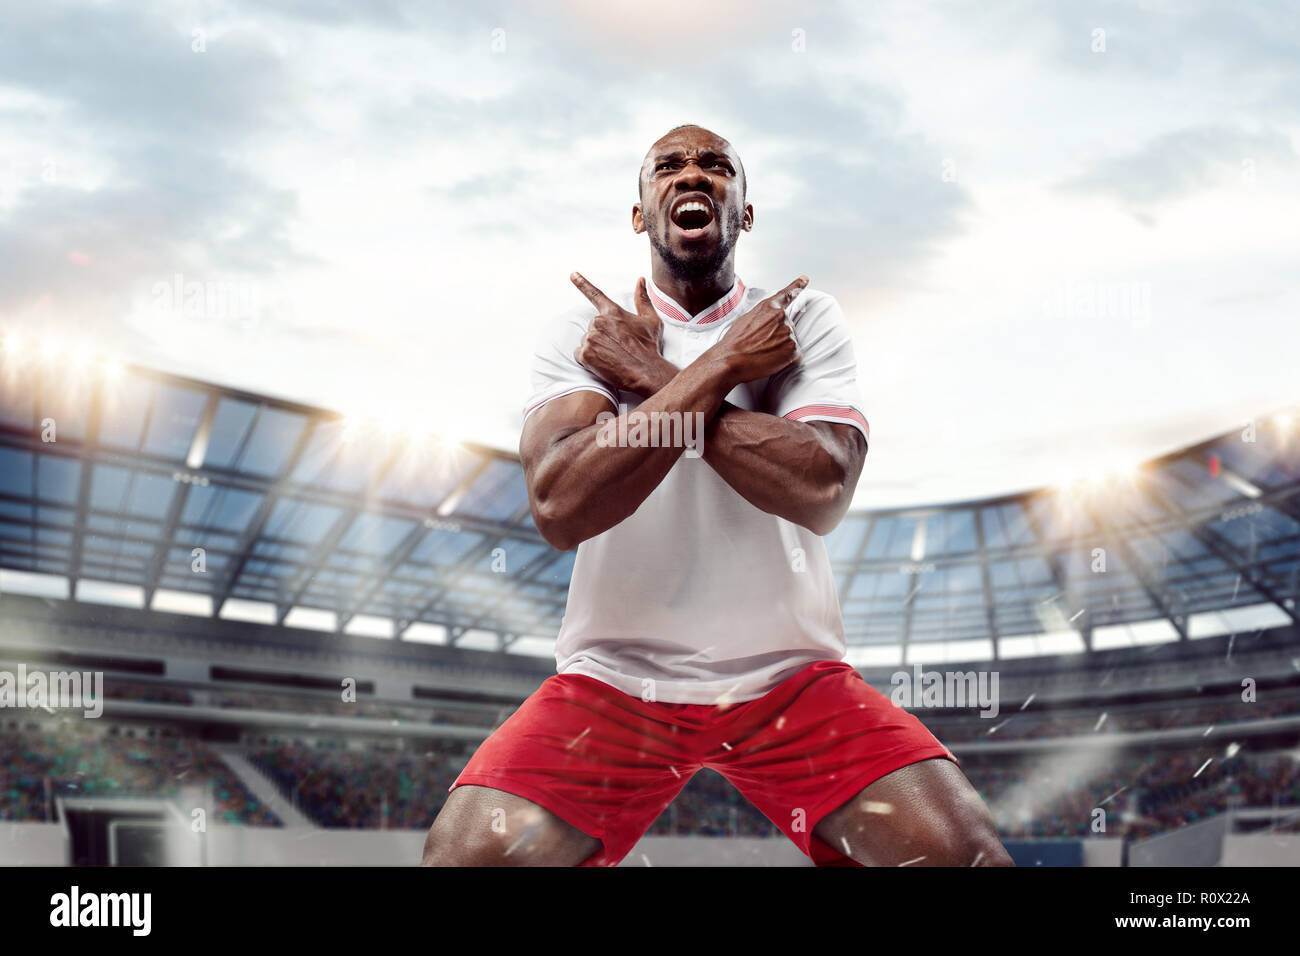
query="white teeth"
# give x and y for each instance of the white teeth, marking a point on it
(693, 206)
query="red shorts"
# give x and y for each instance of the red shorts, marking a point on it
(609, 763)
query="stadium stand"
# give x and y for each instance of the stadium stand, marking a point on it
(41, 761)
(233, 563)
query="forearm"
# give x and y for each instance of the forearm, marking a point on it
(586, 482)
(786, 468)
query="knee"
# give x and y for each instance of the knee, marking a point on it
(440, 850)
(433, 850)
(959, 840)
(973, 846)
(990, 852)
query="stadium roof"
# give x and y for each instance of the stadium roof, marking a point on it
(111, 478)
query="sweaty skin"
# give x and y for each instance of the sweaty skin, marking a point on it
(804, 472)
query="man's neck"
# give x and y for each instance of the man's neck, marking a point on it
(694, 295)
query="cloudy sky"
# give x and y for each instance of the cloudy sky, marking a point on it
(1065, 234)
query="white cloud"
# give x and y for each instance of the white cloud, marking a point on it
(411, 202)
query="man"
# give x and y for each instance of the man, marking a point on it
(702, 627)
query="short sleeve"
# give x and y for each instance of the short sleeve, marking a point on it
(554, 371)
(823, 387)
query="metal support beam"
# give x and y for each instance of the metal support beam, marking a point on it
(1226, 551)
(257, 524)
(371, 583)
(83, 489)
(856, 567)
(1055, 566)
(1138, 568)
(990, 609)
(475, 555)
(327, 546)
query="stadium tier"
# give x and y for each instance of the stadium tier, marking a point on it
(175, 495)
(304, 621)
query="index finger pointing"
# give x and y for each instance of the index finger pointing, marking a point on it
(790, 292)
(594, 295)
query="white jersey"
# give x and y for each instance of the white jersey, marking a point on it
(699, 597)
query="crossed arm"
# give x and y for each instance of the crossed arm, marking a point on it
(579, 487)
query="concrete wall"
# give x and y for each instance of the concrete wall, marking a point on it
(715, 851)
(1199, 844)
(291, 846)
(33, 844)
(45, 844)
(1262, 849)
(1103, 851)
(301, 846)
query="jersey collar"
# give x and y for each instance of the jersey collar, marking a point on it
(670, 310)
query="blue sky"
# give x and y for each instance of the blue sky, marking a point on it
(1064, 234)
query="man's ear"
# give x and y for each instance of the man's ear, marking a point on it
(747, 221)
(638, 220)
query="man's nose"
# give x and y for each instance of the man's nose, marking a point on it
(693, 177)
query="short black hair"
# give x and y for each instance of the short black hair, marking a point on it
(744, 178)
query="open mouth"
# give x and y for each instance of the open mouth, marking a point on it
(692, 217)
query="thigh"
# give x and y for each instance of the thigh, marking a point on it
(479, 826)
(924, 814)
(603, 762)
(813, 743)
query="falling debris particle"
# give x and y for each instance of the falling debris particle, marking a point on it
(1029, 700)
(726, 746)
(878, 806)
(675, 773)
(577, 738)
(1203, 766)
(647, 860)
(1236, 587)
(910, 862)
(1233, 749)
(512, 847)
(1077, 614)
(780, 722)
(1100, 720)
(994, 730)
(1207, 730)
(725, 699)
(847, 851)
(978, 856)
(1112, 796)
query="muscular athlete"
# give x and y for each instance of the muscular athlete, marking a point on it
(702, 628)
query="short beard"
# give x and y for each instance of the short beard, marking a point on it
(694, 268)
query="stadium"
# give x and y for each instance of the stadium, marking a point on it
(340, 585)
(305, 623)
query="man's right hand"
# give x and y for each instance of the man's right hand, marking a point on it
(761, 342)
(621, 347)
